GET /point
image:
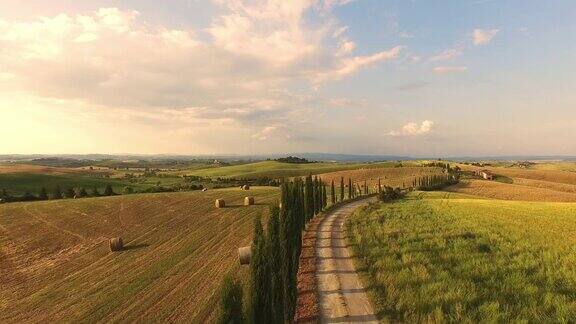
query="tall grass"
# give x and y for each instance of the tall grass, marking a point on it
(467, 260)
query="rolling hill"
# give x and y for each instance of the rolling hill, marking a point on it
(55, 264)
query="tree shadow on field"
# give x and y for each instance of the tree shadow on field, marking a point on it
(135, 247)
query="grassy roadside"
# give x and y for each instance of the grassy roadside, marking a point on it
(439, 257)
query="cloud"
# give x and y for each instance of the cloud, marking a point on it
(242, 68)
(265, 133)
(350, 66)
(446, 55)
(484, 36)
(413, 86)
(450, 69)
(413, 129)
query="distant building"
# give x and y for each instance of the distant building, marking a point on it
(486, 175)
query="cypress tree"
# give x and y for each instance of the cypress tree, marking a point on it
(82, 193)
(231, 302)
(342, 189)
(365, 187)
(70, 193)
(275, 261)
(332, 193)
(350, 189)
(95, 192)
(57, 193)
(379, 186)
(43, 194)
(324, 196)
(108, 191)
(260, 306)
(309, 200)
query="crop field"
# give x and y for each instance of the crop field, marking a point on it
(442, 257)
(394, 177)
(19, 179)
(273, 169)
(55, 264)
(557, 176)
(521, 189)
(35, 169)
(556, 165)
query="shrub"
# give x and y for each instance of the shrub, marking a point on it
(231, 302)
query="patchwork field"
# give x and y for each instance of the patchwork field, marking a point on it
(273, 169)
(438, 257)
(19, 179)
(55, 264)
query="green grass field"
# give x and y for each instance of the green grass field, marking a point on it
(438, 257)
(273, 169)
(20, 183)
(55, 265)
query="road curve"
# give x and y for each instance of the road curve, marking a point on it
(342, 296)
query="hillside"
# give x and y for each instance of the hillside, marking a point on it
(273, 169)
(55, 264)
(439, 257)
(521, 189)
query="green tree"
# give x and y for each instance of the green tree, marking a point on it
(275, 262)
(324, 196)
(43, 195)
(341, 188)
(4, 194)
(69, 193)
(82, 193)
(95, 192)
(57, 193)
(332, 193)
(231, 302)
(260, 275)
(108, 191)
(350, 189)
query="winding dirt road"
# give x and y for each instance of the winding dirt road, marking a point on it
(343, 298)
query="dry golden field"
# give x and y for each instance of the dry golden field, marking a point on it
(55, 264)
(557, 176)
(37, 169)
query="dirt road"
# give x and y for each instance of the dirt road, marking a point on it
(343, 298)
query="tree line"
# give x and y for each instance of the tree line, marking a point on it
(57, 193)
(276, 253)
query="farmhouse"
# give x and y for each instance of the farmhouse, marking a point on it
(486, 175)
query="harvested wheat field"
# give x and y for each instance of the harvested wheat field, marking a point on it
(557, 176)
(395, 177)
(56, 265)
(36, 169)
(528, 190)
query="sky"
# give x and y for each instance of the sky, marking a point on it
(410, 77)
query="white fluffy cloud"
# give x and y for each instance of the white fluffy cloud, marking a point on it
(450, 69)
(240, 67)
(483, 36)
(446, 55)
(413, 129)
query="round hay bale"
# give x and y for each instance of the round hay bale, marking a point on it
(248, 201)
(220, 203)
(205, 189)
(245, 187)
(116, 244)
(244, 255)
